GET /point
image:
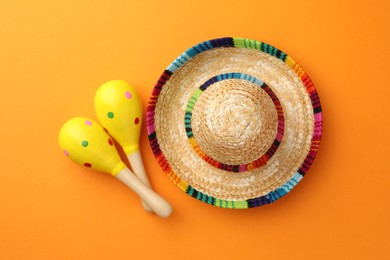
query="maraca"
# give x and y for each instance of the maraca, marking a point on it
(119, 110)
(85, 142)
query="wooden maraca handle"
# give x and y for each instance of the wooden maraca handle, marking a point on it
(137, 165)
(159, 205)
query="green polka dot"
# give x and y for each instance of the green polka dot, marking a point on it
(110, 115)
(84, 143)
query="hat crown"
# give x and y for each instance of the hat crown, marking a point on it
(234, 121)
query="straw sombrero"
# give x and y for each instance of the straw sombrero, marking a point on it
(235, 123)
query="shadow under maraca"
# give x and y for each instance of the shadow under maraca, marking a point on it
(121, 153)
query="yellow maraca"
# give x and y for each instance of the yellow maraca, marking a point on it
(119, 110)
(85, 142)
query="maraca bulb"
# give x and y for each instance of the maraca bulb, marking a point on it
(85, 142)
(119, 110)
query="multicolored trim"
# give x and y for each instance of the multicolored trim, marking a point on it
(235, 43)
(263, 159)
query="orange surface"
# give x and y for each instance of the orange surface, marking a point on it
(54, 55)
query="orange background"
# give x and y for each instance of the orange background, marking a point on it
(55, 54)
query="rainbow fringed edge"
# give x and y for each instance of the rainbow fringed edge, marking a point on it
(236, 43)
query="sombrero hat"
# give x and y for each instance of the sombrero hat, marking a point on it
(235, 123)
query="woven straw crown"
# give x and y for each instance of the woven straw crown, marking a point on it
(234, 122)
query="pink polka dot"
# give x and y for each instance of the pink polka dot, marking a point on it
(128, 94)
(136, 121)
(66, 153)
(87, 122)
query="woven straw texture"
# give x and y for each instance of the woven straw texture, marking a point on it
(234, 122)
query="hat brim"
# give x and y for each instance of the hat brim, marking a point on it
(234, 56)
